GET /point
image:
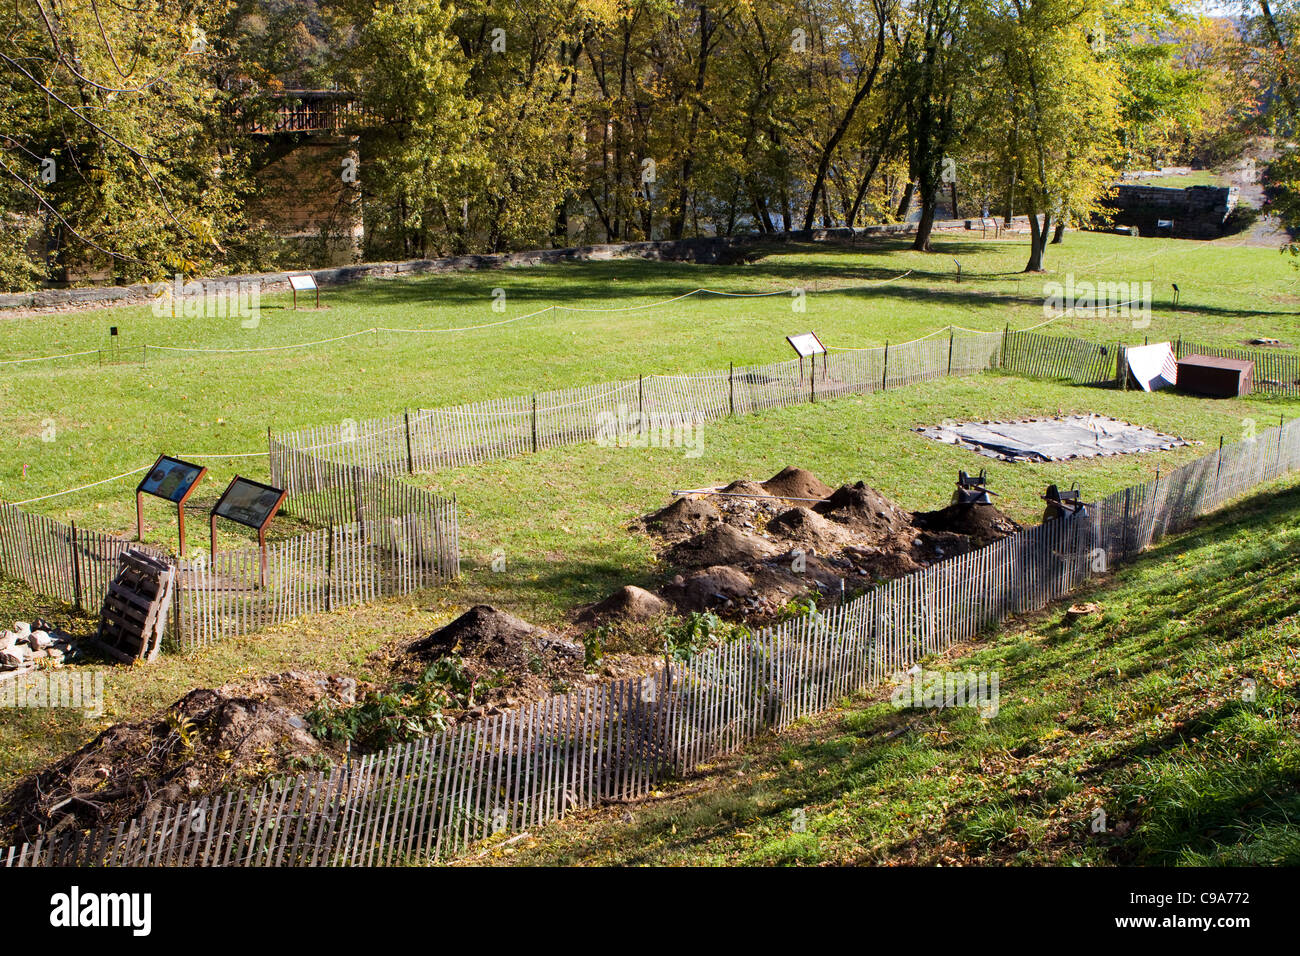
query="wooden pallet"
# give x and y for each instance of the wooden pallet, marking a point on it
(134, 615)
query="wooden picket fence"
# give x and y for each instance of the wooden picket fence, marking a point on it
(1077, 361)
(436, 797)
(397, 539)
(322, 462)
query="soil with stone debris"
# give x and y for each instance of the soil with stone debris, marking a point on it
(208, 741)
(508, 659)
(754, 547)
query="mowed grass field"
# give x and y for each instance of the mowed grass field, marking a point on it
(114, 419)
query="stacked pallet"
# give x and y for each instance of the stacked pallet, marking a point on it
(134, 615)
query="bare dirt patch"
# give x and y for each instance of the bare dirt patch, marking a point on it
(209, 740)
(752, 548)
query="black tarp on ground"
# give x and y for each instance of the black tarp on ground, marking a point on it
(1052, 439)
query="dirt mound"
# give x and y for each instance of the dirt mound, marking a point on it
(796, 483)
(807, 528)
(744, 486)
(504, 657)
(682, 518)
(982, 524)
(723, 544)
(721, 586)
(628, 603)
(867, 511)
(209, 740)
(881, 564)
(758, 554)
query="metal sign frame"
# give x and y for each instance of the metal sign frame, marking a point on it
(806, 349)
(235, 482)
(799, 341)
(141, 491)
(307, 281)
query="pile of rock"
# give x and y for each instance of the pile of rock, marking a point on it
(29, 644)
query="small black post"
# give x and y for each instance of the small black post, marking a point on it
(731, 388)
(1218, 467)
(410, 458)
(952, 334)
(76, 570)
(884, 377)
(534, 421)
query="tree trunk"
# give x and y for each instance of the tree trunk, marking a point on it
(1038, 240)
(905, 204)
(1058, 235)
(925, 226)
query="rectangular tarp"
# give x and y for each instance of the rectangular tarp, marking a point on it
(1052, 439)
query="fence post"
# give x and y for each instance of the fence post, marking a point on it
(76, 570)
(731, 388)
(1006, 340)
(410, 458)
(329, 571)
(951, 335)
(884, 376)
(1277, 463)
(534, 421)
(812, 380)
(1128, 495)
(640, 404)
(1218, 467)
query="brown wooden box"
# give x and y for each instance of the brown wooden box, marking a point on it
(1216, 377)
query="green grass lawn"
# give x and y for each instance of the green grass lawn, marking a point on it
(1141, 711)
(1197, 177)
(117, 418)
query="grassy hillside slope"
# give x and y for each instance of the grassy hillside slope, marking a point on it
(1142, 710)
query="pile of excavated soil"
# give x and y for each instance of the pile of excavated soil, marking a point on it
(720, 586)
(796, 484)
(723, 544)
(756, 546)
(209, 740)
(506, 657)
(743, 487)
(628, 603)
(869, 513)
(983, 524)
(682, 518)
(807, 529)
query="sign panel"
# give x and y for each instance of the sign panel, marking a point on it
(249, 503)
(806, 344)
(171, 479)
(302, 283)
